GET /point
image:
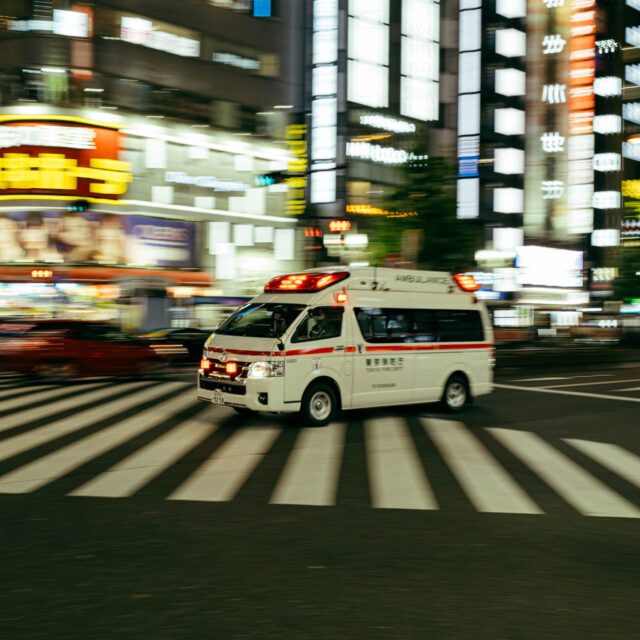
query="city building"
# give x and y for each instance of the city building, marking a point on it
(179, 132)
(547, 154)
(380, 81)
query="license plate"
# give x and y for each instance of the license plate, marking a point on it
(217, 398)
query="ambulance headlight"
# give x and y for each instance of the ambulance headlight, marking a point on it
(266, 369)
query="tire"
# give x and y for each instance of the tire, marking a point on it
(456, 394)
(319, 405)
(243, 411)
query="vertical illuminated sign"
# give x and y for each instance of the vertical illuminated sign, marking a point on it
(368, 52)
(469, 83)
(419, 88)
(581, 99)
(612, 86)
(324, 104)
(297, 169)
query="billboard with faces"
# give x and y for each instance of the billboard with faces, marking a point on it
(96, 238)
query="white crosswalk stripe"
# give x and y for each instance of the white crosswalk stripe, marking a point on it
(132, 473)
(222, 475)
(9, 378)
(486, 483)
(39, 396)
(36, 474)
(35, 388)
(314, 467)
(575, 485)
(36, 437)
(71, 402)
(396, 475)
(612, 456)
(310, 476)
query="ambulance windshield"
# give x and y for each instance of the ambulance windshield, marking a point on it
(261, 320)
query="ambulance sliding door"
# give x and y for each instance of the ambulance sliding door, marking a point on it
(383, 368)
(427, 377)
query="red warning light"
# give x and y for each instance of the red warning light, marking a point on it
(231, 368)
(305, 282)
(466, 283)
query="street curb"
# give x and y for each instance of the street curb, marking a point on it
(554, 359)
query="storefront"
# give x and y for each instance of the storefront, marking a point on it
(169, 201)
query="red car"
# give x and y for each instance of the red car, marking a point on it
(75, 348)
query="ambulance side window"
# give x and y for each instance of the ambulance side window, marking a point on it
(459, 326)
(424, 326)
(385, 325)
(320, 323)
(419, 325)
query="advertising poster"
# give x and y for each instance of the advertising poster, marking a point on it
(96, 238)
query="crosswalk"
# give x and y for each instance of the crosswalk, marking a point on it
(109, 440)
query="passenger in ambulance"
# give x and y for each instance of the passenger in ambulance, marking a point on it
(318, 324)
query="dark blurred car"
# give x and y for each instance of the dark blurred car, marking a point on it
(68, 348)
(190, 339)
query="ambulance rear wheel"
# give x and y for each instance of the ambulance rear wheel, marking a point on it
(456, 394)
(319, 405)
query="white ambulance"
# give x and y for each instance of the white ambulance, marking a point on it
(348, 338)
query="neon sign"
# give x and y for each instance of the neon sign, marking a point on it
(55, 155)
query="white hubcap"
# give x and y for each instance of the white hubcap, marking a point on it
(320, 406)
(456, 395)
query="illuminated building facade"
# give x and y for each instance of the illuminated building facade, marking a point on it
(178, 127)
(549, 103)
(380, 76)
(491, 111)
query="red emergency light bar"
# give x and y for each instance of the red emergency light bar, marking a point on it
(466, 283)
(305, 282)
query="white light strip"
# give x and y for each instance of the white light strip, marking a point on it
(155, 205)
(217, 212)
(238, 150)
(137, 130)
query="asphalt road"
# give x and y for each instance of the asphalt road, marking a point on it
(128, 510)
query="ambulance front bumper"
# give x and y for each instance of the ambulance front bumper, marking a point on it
(259, 394)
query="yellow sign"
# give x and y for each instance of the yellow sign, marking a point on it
(631, 189)
(297, 180)
(368, 210)
(56, 172)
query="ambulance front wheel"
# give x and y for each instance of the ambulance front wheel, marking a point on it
(319, 405)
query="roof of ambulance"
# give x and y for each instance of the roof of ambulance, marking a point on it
(372, 279)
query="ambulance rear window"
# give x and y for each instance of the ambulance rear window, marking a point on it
(380, 325)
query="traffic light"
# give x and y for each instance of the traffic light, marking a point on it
(267, 179)
(78, 206)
